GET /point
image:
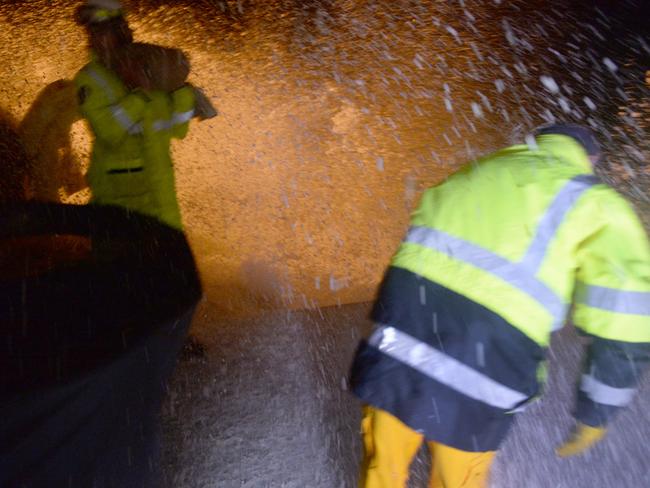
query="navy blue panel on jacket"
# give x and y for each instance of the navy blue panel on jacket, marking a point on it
(456, 331)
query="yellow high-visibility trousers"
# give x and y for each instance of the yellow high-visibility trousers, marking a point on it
(389, 448)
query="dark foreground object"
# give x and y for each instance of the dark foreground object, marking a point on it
(95, 305)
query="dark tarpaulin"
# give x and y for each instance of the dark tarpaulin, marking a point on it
(95, 304)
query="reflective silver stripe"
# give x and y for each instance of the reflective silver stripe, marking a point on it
(521, 275)
(125, 120)
(102, 81)
(444, 369)
(613, 300)
(135, 128)
(159, 125)
(604, 394)
(515, 274)
(118, 112)
(177, 119)
(182, 117)
(553, 218)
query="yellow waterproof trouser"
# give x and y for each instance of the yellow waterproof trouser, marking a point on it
(389, 448)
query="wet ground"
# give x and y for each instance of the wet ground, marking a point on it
(269, 408)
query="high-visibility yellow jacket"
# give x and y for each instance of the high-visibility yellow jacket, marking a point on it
(494, 258)
(131, 164)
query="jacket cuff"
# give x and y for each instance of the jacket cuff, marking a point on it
(592, 413)
(183, 99)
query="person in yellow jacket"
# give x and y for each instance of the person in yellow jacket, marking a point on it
(134, 109)
(492, 262)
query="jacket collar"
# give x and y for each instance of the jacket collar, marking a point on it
(565, 149)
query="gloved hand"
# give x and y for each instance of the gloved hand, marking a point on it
(582, 438)
(203, 108)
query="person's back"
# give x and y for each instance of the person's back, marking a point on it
(522, 216)
(488, 269)
(514, 215)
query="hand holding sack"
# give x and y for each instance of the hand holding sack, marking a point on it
(152, 67)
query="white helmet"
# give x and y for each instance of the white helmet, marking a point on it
(105, 4)
(96, 11)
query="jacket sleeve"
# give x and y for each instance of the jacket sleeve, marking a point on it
(110, 118)
(612, 306)
(182, 111)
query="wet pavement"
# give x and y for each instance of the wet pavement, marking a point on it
(268, 407)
